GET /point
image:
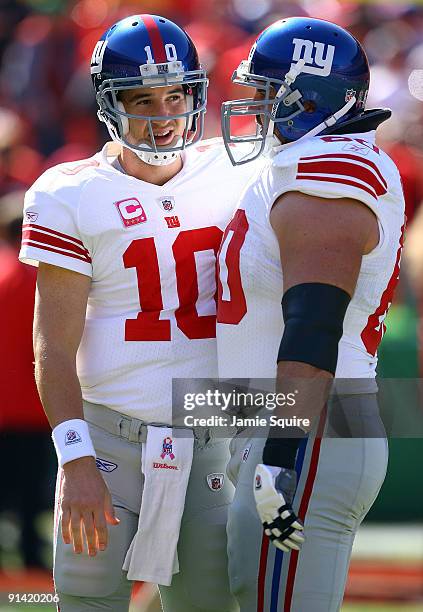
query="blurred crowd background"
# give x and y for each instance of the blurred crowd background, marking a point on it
(48, 115)
(47, 108)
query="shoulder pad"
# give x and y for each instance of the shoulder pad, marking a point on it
(352, 144)
(68, 175)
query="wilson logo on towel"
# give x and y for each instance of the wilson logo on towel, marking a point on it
(164, 466)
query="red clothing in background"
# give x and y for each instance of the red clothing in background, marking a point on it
(20, 406)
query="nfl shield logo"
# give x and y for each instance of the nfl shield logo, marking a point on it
(349, 94)
(167, 203)
(215, 481)
(258, 482)
(162, 68)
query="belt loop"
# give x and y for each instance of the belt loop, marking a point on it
(202, 436)
(134, 430)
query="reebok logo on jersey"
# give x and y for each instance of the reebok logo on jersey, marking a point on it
(172, 222)
(246, 453)
(167, 203)
(31, 216)
(105, 466)
(131, 212)
(72, 437)
(357, 148)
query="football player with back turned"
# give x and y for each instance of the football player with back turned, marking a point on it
(126, 245)
(308, 266)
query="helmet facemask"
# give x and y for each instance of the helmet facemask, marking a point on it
(264, 111)
(112, 111)
(280, 105)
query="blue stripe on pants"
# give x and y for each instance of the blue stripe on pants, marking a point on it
(277, 568)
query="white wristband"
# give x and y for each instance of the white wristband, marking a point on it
(72, 440)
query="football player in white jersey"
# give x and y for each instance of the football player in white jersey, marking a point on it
(125, 244)
(307, 266)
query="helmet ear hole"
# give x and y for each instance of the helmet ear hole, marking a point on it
(125, 121)
(309, 106)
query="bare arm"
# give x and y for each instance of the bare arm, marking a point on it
(60, 305)
(321, 241)
(59, 316)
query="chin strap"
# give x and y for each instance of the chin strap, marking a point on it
(150, 157)
(327, 123)
(271, 141)
(157, 159)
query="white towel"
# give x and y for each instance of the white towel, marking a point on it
(166, 465)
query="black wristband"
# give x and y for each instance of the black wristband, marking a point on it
(282, 452)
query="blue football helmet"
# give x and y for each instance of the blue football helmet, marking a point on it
(148, 51)
(310, 74)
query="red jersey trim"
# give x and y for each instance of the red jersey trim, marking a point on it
(342, 181)
(343, 169)
(53, 250)
(30, 226)
(348, 157)
(36, 237)
(347, 169)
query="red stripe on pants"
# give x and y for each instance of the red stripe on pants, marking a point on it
(311, 477)
(262, 572)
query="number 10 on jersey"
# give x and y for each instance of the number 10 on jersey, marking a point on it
(142, 255)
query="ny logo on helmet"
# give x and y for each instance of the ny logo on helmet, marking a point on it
(318, 56)
(97, 57)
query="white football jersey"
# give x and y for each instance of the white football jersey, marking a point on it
(150, 252)
(250, 322)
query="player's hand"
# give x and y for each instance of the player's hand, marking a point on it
(86, 506)
(274, 489)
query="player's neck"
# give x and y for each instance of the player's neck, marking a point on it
(157, 175)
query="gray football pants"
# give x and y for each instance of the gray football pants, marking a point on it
(86, 584)
(339, 479)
